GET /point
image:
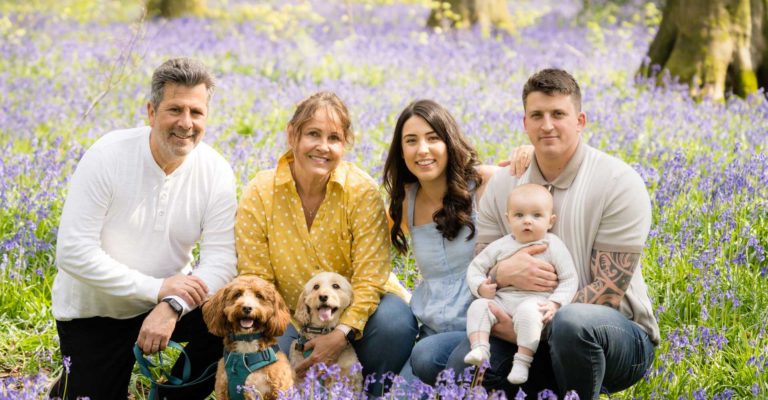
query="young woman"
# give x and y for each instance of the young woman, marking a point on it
(433, 178)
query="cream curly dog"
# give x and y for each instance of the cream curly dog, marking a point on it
(320, 305)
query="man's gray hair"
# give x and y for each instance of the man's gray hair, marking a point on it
(181, 71)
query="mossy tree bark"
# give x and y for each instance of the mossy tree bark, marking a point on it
(466, 13)
(175, 8)
(715, 46)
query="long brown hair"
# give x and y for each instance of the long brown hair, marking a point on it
(460, 173)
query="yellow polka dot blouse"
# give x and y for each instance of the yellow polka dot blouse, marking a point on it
(349, 235)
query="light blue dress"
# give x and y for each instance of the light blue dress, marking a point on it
(441, 300)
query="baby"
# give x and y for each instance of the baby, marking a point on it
(530, 214)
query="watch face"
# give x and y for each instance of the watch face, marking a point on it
(174, 305)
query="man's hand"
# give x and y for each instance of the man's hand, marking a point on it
(525, 272)
(189, 287)
(487, 289)
(157, 328)
(326, 349)
(548, 310)
(520, 160)
(505, 328)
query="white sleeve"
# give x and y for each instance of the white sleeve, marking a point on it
(568, 281)
(218, 264)
(78, 249)
(477, 272)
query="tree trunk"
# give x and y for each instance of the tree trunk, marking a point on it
(715, 46)
(174, 8)
(466, 13)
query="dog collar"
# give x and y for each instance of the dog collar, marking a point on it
(316, 330)
(239, 365)
(245, 337)
(303, 339)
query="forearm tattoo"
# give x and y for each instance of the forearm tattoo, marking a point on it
(612, 272)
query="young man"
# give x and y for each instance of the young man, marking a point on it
(605, 340)
(139, 201)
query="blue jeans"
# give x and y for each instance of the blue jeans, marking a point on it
(430, 354)
(387, 340)
(589, 349)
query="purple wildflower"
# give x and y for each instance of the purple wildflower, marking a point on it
(67, 363)
(547, 394)
(571, 395)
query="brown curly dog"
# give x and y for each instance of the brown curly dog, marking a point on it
(249, 314)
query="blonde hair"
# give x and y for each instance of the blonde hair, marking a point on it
(307, 108)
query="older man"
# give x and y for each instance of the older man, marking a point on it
(139, 202)
(605, 340)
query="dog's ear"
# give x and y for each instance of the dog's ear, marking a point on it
(302, 310)
(282, 316)
(213, 313)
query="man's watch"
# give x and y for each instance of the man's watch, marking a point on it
(175, 305)
(350, 336)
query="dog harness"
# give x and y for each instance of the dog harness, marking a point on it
(240, 365)
(303, 339)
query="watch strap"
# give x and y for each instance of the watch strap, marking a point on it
(350, 336)
(175, 305)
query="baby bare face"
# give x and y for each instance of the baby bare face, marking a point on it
(529, 213)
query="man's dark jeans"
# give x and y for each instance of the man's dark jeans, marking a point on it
(589, 349)
(100, 352)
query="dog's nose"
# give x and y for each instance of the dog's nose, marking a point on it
(323, 298)
(247, 310)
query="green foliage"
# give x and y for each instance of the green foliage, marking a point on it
(612, 12)
(79, 10)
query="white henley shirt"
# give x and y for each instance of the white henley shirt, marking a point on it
(126, 226)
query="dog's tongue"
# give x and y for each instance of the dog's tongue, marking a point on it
(246, 323)
(324, 313)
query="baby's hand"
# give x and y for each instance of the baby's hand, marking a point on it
(548, 310)
(487, 289)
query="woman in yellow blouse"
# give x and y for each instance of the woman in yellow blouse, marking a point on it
(315, 213)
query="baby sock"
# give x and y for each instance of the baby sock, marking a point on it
(519, 373)
(480, 353)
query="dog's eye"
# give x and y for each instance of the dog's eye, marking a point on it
(336, 286)
(316, 287)
(259, 296)
(237, 295)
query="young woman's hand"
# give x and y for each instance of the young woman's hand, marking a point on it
(520, 160)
